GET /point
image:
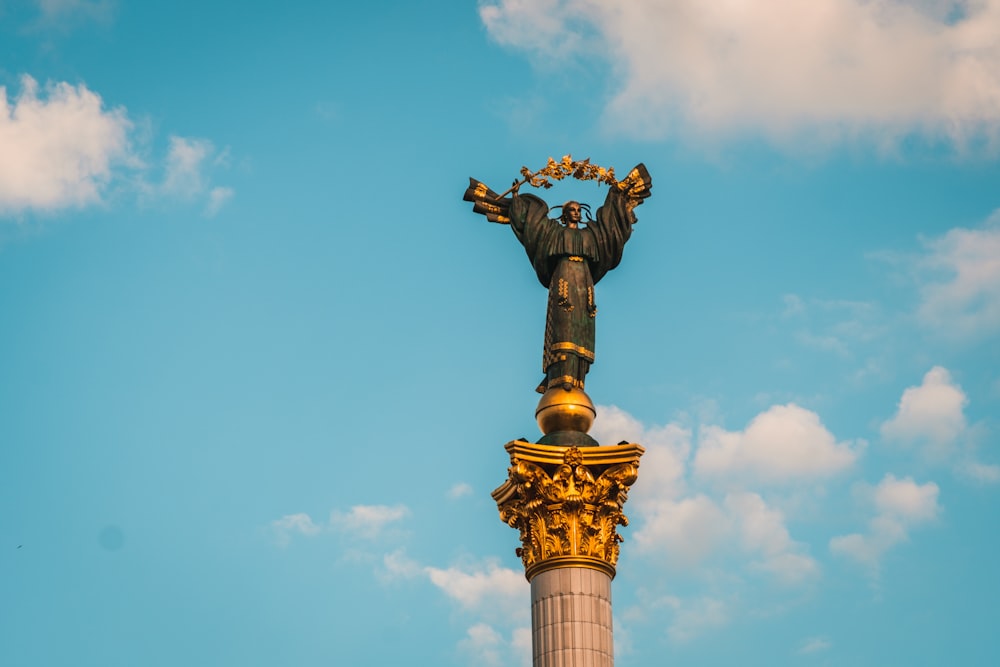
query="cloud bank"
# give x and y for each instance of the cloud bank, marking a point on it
(823, 70)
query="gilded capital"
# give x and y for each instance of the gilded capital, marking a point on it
(567, 503)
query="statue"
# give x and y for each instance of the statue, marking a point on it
(568, 258)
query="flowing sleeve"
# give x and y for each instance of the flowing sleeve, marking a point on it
(529, 218)
(613, 226)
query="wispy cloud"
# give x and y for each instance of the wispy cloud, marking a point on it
(814, 645)
(899, 505)
(494, 599)
(459, 490)
(692, 618)
(959, 277)
(832, 70)
(360, 521)
(367, 521)
(68, 10)
(292, 524)
(187, 174)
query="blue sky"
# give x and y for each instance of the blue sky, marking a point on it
(258, 361)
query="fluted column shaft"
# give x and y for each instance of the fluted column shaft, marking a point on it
(571, 618)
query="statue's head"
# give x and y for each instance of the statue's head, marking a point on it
(571, 214)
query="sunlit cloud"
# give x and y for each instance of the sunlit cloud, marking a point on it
(786, 443)
(64, 149)
(823, 71)
(60, 147)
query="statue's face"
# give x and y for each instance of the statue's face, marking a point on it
(571, 214)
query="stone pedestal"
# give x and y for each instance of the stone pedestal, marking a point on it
(567, 504)
(571, 618)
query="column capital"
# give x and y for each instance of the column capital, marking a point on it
(567, 503)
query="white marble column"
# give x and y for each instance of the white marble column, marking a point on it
(571, 618)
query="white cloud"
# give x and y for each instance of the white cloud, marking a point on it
(960, 273)
(217, 198)
(186, 174)
(183, 171)
(784, 444)
(520, 644)
(482, 588)
(905, 500)
(367, 521)
(490, 597)
(899, 505)
(980, 472)
(459, 490)
(667, 450)
(483, 645)
(60, 148)
(823, 71)
(931, 415)
(682, 532)
(399, 566)
(762, 532)
(290, 524)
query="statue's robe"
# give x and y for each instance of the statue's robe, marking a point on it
(569, 262)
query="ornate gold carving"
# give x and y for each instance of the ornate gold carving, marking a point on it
(635, 187)
(567, 503)
(575, 258)
(581, 170)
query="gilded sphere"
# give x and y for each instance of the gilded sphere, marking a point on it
(562, 410)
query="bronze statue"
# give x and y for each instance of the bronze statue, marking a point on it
(569, 259)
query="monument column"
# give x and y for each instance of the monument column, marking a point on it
(566, 493)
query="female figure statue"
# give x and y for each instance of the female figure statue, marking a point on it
(569, 257)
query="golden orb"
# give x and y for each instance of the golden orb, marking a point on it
(565, 410)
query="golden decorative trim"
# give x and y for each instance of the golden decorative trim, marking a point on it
(563, 291)
(567, 503)
(575, 258)
(573, 347)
